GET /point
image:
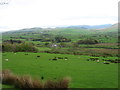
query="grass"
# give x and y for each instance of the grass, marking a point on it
(43, 48)
(7, 86)
(102, 45)
(106, 36)
(84, 74)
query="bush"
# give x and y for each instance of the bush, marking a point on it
(59, 39)
(63, 83)
(23, 47)
(88, 41)
(13, 41)
(23, 82)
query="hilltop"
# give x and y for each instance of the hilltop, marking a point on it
(65, 40)
(74, 33)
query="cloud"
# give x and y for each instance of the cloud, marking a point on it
(43, 13)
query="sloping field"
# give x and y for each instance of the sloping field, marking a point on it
(83, 73)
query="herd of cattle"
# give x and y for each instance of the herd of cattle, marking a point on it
(54, 59)
(105, 61)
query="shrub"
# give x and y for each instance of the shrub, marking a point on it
(27, 82)
(7, 47)
(8, 77)
(23, 47)
(88, 41)
(63, 83)
(61, 39)
(13, 41)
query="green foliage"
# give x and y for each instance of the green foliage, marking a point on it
(88, 41)
(23, 47)
(61, 39)
(62, 44)
(47, 44)
(7, 47)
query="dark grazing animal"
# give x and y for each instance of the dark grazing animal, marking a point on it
(113, 61)
(88, 60)
(26, 54)
(55, 59)
(42, 77)
(66, 58)
(106, 63)
(60, 57)
(38, 56)
(93, 59)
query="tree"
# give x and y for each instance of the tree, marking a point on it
(88, 41)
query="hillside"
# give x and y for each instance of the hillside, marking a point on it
(66, 40)
(109, 34)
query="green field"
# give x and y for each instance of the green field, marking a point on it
(77, 44)
(83, 73)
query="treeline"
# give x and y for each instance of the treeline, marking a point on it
(18, 47)
(88, 41)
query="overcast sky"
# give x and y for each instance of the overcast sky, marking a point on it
(19, 14)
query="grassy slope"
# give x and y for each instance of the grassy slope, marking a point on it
(84, 74)
(72, 33)
(8, 86)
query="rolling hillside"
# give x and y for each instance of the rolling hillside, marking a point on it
(108, 35)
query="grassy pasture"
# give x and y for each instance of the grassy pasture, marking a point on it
(8, 86)
(105, 36)
(83, 73)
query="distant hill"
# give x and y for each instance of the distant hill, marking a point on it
(83, 27)
(91, 26)
(113, 28)
(108, 34)
(105, 27)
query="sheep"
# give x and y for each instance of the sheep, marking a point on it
(106, 63)
(66, 58)
(56, 58)
(97, 60)
(6, 59)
